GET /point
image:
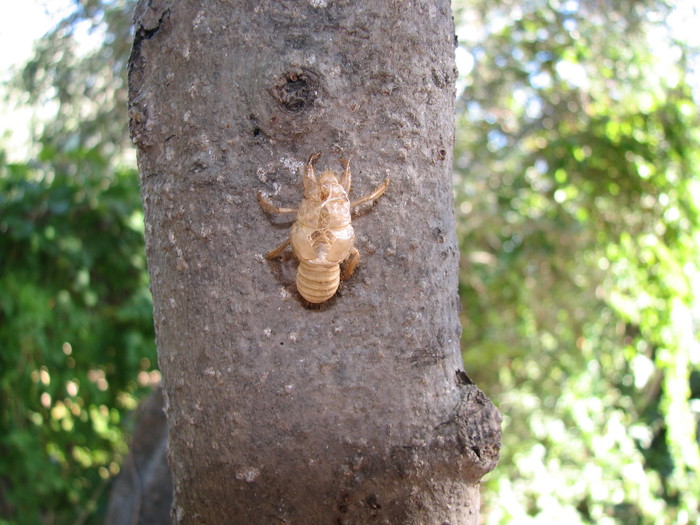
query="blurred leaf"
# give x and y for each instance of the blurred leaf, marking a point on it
(576, 163)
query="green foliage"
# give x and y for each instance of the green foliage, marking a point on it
(76, 334)
(75, 330)
(577, 183)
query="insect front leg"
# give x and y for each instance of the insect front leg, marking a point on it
(271, 208)
(277, 251)
(346, 177)
(310, 181)
(351, 263)
(375, 194)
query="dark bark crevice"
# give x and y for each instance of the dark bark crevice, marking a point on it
(147, 24)
(297, 89)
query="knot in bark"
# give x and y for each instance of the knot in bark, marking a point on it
(296, 90)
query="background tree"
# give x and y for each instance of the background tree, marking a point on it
(354, 411)
(577, 283)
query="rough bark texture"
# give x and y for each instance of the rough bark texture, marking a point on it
(355, 412)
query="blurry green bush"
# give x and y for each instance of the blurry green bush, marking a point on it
(75, 331)
(577, 183)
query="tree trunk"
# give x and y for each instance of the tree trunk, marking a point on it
(142, 493)
(354, 411)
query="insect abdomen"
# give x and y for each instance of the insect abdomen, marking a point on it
(317, 283)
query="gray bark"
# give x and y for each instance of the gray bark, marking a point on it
(142, 493)
(357, 411)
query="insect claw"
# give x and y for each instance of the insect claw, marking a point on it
(345, 178)
(263, 202)
(314, 157)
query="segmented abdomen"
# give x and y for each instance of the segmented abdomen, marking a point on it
(317, 283)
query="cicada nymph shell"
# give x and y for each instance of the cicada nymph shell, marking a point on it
(322, 238)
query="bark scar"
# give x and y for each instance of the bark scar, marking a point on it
(296, 90)
(145, 31)
(147, 26)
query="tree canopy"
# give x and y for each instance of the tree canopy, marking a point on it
(576, 183)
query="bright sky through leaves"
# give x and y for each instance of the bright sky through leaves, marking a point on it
(21, 24)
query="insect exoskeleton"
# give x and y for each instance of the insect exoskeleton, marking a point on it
(322, 238)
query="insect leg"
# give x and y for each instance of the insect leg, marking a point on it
(345, 178)
(368, 198)
(351, 264)
(271, 208)
(277, 251)
(310, 173)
